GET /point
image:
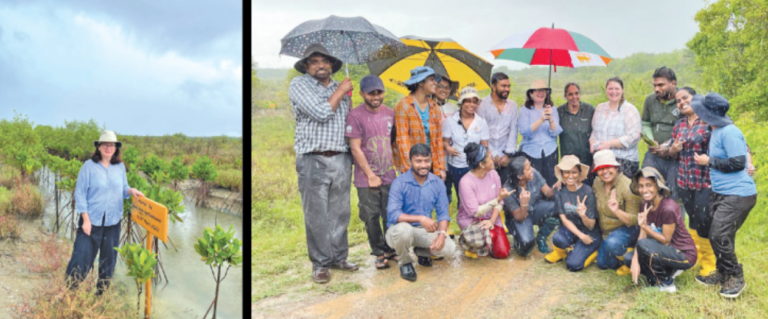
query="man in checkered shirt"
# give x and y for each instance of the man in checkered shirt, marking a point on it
(323, 162)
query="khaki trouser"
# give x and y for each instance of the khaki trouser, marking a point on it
(403, 236)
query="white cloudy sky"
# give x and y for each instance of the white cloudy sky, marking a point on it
(140, 67)
(620, 27)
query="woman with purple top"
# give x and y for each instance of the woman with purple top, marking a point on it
(481, 203)
(664, 247)
(539, 125)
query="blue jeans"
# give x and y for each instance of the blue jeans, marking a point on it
(452, 180)
(564, 238)
(615, 245)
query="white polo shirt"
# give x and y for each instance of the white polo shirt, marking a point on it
(454, 131)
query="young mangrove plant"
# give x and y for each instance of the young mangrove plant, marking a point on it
(141, 264)
(216, 248)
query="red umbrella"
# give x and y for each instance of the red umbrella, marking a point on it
(550, 46)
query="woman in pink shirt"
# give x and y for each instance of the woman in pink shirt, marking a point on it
(481, 201)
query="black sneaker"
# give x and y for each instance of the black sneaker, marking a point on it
(407, 272)
(733, 286)
(714, 278)
(425, 261)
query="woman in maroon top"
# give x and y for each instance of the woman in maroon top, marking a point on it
(664, 247)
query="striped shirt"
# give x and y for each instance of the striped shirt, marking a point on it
(318, 128)
(623, 123)
(100, 192)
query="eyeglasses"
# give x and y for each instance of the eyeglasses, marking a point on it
(443, 87)
(108, 145)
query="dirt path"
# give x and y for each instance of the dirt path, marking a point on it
(15, 277)
(485, 288)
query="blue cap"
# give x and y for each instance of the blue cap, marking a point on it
(370, 83)
(419, 74)
(712, 109)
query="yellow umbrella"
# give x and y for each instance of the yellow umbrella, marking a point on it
(445, 56)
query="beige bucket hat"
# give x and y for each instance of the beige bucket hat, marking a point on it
(107, 137)
(567, 163)
(539, 84)
(467, 92)
(649, 172)
(604, 158)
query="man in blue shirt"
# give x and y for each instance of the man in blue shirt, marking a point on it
(412, 198)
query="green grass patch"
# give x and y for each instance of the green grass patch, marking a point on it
(344, 287)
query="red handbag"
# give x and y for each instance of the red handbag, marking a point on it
(500, 243)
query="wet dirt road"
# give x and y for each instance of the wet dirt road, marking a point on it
(486, 288)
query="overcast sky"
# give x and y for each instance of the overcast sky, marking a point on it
(140, 67)
(619, 27)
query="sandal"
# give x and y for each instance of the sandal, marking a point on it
(382, 262)
(392, 256)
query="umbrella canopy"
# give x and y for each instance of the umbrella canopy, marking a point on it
(549, 46)
(444, 55)
(352, 40)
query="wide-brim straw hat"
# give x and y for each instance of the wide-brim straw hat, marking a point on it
(468, 92)
(604, 158)
(107, 137)
(648, 172)
(301, 65)
(539, 84)
(567, 163)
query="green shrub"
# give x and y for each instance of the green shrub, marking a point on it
(153, 164)
(231, 179)
(6, 204)
(27, 201)
(9, 176)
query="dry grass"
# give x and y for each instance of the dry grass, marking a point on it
(49, 257)
(10, 227)
(52, 299)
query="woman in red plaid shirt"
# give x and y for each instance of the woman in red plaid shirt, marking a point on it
(690, 136)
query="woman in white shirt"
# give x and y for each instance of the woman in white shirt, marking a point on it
(616, 126)
(461, 128)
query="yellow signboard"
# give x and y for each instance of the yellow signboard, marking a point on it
(152, 216)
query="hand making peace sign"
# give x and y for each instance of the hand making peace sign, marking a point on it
(613, 204)
(641, 218)
(581, 208)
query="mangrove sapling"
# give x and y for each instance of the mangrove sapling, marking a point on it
(205, 173)
(178, 173)
(140, 264)
(216, 248)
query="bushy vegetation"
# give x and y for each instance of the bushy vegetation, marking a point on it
(52, 299)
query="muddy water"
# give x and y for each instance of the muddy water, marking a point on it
(191, 288)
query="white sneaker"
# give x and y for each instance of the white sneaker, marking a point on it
(671, 288)
(677, 273)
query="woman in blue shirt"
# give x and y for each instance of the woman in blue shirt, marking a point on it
(539, 125)
(101, 187)
(733, 191)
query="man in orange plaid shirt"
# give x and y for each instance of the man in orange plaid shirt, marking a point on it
(418, 119)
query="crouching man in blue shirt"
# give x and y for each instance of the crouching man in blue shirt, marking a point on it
(412, 198)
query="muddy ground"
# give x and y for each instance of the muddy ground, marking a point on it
(461, 288)
(15, 278)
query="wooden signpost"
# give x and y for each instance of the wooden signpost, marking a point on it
(154, 218)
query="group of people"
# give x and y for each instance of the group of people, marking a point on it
(589, 189)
